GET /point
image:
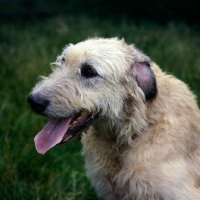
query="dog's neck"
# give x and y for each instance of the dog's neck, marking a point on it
(104, 129)
(110, 129)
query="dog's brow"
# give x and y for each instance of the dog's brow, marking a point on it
(59, 58)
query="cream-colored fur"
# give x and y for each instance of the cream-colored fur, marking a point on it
(139, 149)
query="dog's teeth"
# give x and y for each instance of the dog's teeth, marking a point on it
(79, 118)
(82, 114)
(74, 122)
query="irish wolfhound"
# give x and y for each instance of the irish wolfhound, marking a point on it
(140, 128)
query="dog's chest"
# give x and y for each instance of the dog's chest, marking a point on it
(104, 162)
(109, 173)
(101, 155)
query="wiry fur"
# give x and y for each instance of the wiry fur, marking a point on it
(139, 149)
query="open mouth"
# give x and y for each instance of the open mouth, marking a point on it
(78, 125)
(59, 131)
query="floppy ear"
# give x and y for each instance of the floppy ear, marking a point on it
(146, 79)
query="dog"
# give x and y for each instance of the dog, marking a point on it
(140, 127)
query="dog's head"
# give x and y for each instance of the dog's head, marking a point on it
(92, 79)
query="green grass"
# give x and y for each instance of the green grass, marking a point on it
(26, 49)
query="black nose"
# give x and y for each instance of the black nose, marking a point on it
(37, 103)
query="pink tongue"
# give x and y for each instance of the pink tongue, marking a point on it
(51, 134)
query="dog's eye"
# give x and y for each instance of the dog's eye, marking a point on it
(88, 72)
(63, 60)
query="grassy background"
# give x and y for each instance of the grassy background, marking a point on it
(26, 49)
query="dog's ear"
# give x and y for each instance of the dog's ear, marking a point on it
(146, 79)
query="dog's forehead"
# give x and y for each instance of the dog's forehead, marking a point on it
(109, 54)
(94, 49)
